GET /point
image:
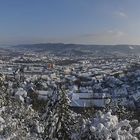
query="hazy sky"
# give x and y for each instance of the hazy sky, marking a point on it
(70, 21)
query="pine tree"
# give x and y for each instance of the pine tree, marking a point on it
(59, 119)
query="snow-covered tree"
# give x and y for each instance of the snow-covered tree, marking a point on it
(59, 119)
(17, 120)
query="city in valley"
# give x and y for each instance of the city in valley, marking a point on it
(89, 81)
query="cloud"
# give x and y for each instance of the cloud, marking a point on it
(121, 14)
(112, 36)
(104, 37)
(107, 37)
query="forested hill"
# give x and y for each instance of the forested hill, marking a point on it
(79, 49)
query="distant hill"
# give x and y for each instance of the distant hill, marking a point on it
(79, 49)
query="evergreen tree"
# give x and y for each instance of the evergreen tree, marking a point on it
(59, 119)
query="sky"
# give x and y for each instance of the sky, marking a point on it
(70, 21)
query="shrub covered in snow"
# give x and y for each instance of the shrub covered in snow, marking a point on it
(107, 127)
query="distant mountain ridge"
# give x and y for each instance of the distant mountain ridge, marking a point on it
(79, 49)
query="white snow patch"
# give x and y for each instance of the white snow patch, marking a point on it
(130, 47)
